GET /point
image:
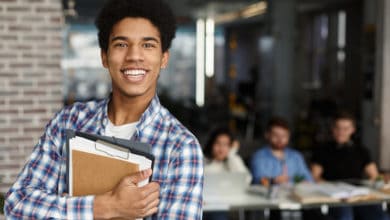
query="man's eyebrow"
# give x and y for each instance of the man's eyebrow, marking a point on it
(144, 39)
(151, 39)
(118, 38)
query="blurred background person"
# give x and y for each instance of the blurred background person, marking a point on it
(277, 161)
(221, 154)
(342, 158)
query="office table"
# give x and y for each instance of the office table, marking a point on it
(251, 201)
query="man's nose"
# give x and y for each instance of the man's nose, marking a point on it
(134, 53)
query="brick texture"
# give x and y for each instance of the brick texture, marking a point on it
(30, 78)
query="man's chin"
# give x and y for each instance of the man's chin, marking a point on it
(279, 147)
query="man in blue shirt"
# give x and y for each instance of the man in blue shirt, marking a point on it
(134, 37)
(277, 161)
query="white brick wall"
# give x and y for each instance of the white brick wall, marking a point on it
(30, 78)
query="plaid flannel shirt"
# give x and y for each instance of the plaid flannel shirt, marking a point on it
(39, 188)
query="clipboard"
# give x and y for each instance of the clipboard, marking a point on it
(96, 164)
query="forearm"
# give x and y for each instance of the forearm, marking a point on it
(235, 163)
(102, 207)
(37, 204)
(371, 171)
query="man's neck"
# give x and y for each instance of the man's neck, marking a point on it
(344, 144)
(278, 153)
(124, 110)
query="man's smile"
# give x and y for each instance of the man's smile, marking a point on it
(134, 75)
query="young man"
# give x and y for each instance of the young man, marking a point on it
(344, 159)
(276, 160)
(134, 37)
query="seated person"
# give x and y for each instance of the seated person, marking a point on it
(344, 159)
(277, 161)
(221, 154)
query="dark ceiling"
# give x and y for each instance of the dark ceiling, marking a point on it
(187, 10)
(184, 9)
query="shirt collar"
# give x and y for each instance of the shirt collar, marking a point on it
(146, 118)
(347, 144)
(287, 152)
(150, 113)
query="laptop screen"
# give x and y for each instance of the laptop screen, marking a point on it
(225, 183)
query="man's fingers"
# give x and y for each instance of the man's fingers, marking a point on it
(150, 208)
(150, 212)
(139, 176)
(153, 202)
(150, 188)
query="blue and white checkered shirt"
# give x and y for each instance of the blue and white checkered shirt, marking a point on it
(38, 191)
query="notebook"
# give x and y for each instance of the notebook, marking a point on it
(97, 163)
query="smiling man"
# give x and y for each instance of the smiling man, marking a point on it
(134, 37)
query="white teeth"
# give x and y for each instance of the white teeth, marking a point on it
(134, 72)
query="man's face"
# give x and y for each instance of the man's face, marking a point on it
(342, 130)
(134, 58)
(221, 147)
(278, 137)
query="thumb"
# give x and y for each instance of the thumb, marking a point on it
(139, 176)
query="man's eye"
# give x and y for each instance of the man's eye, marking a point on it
(120, 45)
(148, 45)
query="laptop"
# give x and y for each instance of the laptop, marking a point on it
(224, 184)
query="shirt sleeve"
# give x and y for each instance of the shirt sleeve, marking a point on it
(317, 156)
(182, 199)
(236, 164)
(38, 190)
(366, 156)
(256, 167)
(303, 169)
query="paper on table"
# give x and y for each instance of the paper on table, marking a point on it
(328, 192)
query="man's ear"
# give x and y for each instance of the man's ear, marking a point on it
(266, 135)
(165, 59)
(353, 130)
(103, 56)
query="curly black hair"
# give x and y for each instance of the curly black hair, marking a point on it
(208, 149)
(156, 11)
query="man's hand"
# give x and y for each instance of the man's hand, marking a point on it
(127, 200)
(282, 178)
(316, 172)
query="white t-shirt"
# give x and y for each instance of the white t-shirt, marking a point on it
(125, 131)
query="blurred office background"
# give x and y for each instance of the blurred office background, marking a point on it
(233, 62)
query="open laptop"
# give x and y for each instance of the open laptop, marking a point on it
(224, 190)
(224, 185)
